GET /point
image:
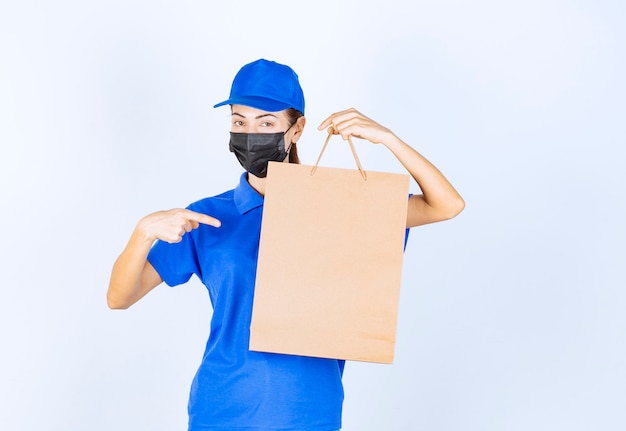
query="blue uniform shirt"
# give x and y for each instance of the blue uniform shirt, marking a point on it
(235, 388)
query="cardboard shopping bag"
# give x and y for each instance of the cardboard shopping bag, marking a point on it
(330, 262)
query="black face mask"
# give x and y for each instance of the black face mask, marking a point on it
(255, 150)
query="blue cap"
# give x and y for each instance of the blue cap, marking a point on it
(266, 85)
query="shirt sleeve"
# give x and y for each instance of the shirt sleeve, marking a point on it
(406, 233)
(175, 263)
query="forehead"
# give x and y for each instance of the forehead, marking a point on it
(252, 113)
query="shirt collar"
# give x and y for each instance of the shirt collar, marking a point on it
(246, 198)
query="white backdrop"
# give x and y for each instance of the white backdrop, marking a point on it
(512, 315)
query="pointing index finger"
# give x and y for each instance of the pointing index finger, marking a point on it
(202, 218)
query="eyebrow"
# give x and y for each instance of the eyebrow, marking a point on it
(257, 117)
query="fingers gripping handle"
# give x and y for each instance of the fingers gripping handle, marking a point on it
(356, 158)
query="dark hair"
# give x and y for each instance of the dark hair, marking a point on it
(292, 116)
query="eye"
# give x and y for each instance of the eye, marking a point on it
(267, 124)
(238, 123)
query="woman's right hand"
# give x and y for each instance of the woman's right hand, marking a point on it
(133, 276)
(171, 225)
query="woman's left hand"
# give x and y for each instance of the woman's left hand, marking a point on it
(352, 123)
(438, 201)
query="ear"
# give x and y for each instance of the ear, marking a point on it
(298, 128)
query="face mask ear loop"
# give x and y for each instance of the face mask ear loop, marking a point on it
(287, 150)
(356, 158)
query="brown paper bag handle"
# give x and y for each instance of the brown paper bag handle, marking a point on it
(356, 158)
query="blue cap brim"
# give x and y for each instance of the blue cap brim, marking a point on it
(256, 102)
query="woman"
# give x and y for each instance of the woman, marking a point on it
(217, 239)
